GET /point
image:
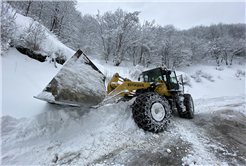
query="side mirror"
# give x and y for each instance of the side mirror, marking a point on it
(139, 78)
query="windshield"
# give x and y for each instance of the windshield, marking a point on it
(152, 75)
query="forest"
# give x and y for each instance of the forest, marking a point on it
(118, 35)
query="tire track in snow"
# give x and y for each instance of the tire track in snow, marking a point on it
(206, 138)
(198, 153)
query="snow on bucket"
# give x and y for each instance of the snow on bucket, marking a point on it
(78, 83)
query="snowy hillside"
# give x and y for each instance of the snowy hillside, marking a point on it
(37, 133)
(22, 78)
(49, 44)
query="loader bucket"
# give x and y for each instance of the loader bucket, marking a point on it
(78, 83)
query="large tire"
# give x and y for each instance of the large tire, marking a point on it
(190, 109)
(151, 112)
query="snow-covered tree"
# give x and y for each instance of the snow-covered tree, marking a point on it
(238, 47)
(169, 46)
(116, 33)
(147, 43)
(31, 37)
(237, 31)
(8, 25)
(199, 49)
(119, 35)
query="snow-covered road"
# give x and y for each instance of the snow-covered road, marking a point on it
(108, 135)
(216, 136)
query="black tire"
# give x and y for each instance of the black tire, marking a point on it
(190, 109)
(151, 112)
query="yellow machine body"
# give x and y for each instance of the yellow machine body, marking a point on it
(119, 87)
(162, 88)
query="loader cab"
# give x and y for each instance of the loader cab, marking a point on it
(169, 77)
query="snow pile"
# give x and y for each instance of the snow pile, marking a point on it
(68, 135)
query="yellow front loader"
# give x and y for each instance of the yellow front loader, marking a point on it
(157, 92)
(156, 96)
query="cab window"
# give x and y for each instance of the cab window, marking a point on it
(173, 78)
(146, 78)
(152, 75)
(165, 78)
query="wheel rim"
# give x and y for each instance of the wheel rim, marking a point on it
(158, 111)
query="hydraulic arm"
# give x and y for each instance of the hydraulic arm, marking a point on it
(118, 87)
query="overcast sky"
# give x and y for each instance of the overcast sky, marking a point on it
(183, 15)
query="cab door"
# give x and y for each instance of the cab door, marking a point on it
(170, 80)
(173, 80)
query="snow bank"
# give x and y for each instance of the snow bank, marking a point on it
(68, 135)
